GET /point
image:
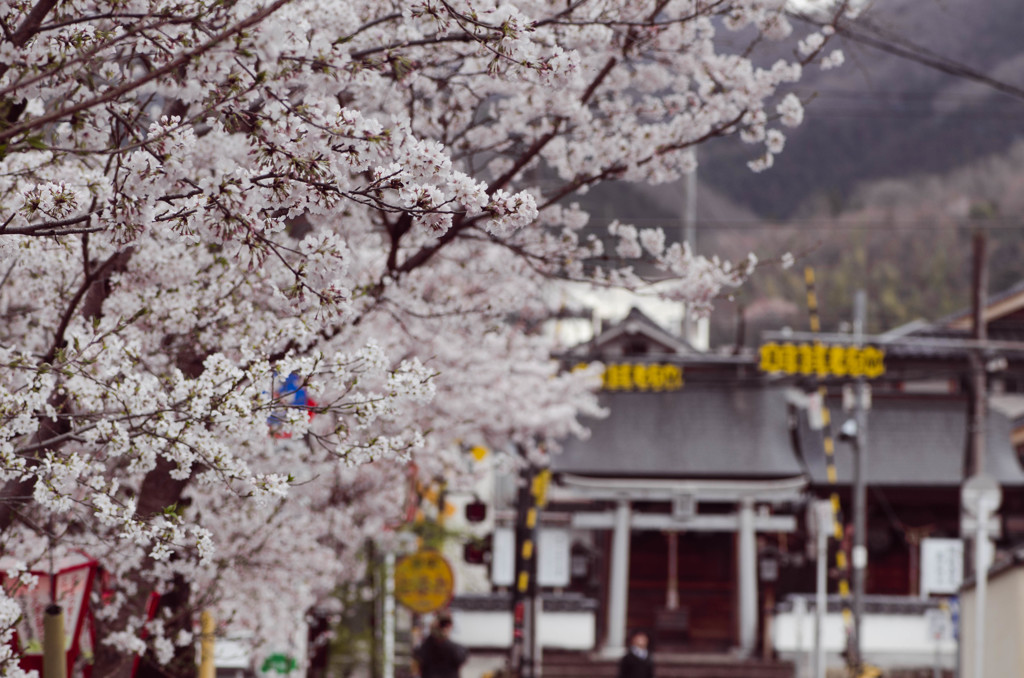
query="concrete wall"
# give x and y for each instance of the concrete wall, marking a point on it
(1004, 627)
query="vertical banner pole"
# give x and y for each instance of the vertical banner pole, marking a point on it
(207, 629)
(54, 657)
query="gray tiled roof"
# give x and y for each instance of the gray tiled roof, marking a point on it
(915, 442)
(698, 432)
(733, 432)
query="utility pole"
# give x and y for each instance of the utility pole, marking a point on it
(520, 656)
(974, 457)
(828, 447)
(860, 552)
(690, 238)
(525, 652)
(974, 468)
(979, 286)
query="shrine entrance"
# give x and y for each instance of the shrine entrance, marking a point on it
(687, 575)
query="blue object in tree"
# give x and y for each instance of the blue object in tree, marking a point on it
(293, 394)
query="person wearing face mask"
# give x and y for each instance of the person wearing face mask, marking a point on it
(636, 663)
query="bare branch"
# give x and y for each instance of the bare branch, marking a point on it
(173, 65)
(49, 227)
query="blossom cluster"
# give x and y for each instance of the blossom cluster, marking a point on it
(258, 256)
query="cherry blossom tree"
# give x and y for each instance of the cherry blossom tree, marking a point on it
(256, 256)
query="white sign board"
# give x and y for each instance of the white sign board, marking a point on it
(940, 624)
(553, 547)
(503, 556)
(942, 566)
(553, 558)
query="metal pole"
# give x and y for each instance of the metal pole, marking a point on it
(981, 577)
(672, 586)
(823, 519)
(529, 636)
(821, 600)
(805, 656)
(860, 553)
(537, 640)
(690, 238)
(388, 668)
(980, 332)
(539, 495)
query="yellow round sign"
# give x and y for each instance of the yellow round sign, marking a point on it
(424, 581)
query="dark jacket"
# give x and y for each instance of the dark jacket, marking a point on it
(440, 657)
(633, 666)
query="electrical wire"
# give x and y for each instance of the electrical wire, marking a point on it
(867, 33)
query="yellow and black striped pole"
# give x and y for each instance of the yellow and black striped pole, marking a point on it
(842, 562)
(531, 499)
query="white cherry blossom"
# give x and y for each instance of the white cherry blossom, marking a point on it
(262, 262)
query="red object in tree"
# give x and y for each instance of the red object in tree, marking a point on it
(70, 586)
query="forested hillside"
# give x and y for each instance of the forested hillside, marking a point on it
(884, 116)
(881, 186)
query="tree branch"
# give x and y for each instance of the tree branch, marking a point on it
(29, 27)
(118, 258)
(32, 23)
(46, 228)
(173, 65)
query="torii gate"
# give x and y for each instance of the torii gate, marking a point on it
(686, 497)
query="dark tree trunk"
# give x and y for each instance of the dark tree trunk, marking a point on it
(175, 603)
(320, 656)
(159, 490)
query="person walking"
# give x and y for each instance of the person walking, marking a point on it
(636, 663)
(438, 656)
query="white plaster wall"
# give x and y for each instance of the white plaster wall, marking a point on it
(557, 630)
(1004, 627)
(890, 640)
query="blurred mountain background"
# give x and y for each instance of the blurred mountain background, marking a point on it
(895, 164)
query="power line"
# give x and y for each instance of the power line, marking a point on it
(919, 95)
(866, 33)
(1012, 223)
(922, 113)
